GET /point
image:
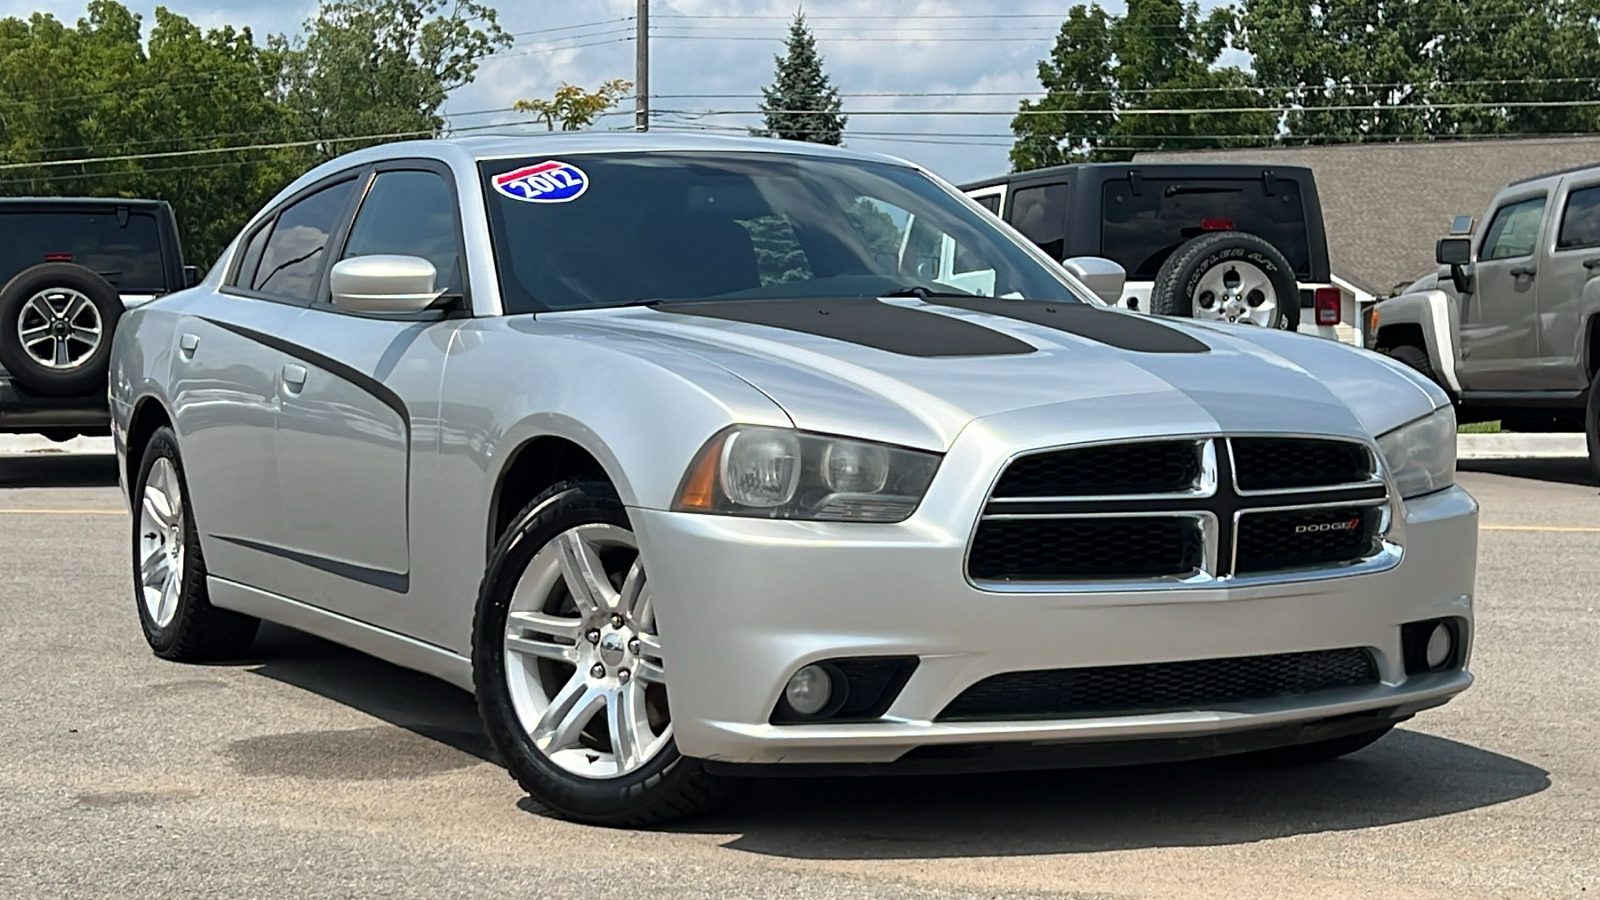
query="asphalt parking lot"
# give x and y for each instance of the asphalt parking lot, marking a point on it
(312, 771)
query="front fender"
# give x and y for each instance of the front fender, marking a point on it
(1436, 316)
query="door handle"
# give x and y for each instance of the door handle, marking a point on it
(1592, 263)
(1520, 271)
(294, 378)
(187, 344)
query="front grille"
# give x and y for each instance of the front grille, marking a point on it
(1295, 539)
(1160, 687)
(1162, 467)
(1053, 549)
(1275, 464)
(1199, 509)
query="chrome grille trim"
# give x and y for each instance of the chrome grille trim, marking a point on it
(1218, 535)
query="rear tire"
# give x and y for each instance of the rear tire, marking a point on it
(1318, 751)
(578, 709)
(1591, 424)
(169, 574)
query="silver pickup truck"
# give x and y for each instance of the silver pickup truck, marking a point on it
(1508, 325)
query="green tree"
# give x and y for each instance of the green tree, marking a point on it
(574, 107)
(383, 67)
(1111, 83)
(1383, 70)
(802, 104)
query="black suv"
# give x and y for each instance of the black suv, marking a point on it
(1205, 240)
(70, 267)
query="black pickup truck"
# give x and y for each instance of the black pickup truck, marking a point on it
(70, 267)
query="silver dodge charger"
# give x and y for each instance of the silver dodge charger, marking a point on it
(701, 459)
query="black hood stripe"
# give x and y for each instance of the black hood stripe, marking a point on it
(1127, 331)
(866, 321)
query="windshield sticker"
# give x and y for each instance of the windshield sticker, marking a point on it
(551, 181)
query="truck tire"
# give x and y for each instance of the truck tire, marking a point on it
(56, 321)
(1228, 276)
(1416, 358)
(1591, 424)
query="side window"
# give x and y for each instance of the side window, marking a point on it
(1040, 213)
(991, 202)
(410, 213)
(1514, 230)
(1580, 221)
(250, 260)
(291, 263)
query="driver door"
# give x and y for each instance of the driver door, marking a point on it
(1499, 339)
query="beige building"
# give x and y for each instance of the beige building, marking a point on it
(1384, 205)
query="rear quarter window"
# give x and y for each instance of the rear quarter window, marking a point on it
(126, 255)
(1139, 230)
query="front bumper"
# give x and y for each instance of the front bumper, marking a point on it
(743, 603)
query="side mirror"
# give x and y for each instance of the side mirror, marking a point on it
(191, 276)
(383, 284)
(1456, 252)
(1453, 251)
(1102, 276)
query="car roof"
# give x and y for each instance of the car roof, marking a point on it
(1168, 169)
(81, 201)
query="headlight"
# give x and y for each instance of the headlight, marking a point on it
(1422, 455)
(779, 473)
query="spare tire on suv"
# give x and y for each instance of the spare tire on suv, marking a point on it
(1228, 276)
(56, 321)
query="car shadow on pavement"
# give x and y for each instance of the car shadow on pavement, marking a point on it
(420, 704)
(37, 470)
(1405, 777)
(1561, 471)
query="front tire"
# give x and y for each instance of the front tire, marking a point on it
(169, 573)
(567, 665)
(1591, 424)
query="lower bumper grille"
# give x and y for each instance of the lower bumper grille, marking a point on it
(1160, 687)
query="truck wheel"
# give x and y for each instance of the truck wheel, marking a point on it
(56, 321)
(1591, 424)
(1416, 358)
(1228, 276)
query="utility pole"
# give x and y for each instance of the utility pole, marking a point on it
(641, 69)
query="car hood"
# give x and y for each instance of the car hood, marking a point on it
(1042, 384)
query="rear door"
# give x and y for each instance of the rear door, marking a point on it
(225, 385)
(1499, 344)
(357, 413)
(1573, 258)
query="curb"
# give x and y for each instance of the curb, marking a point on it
(34, 445)
(1521, 446)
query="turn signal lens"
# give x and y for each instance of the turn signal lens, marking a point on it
(700, 486)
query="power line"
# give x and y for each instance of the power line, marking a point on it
(516, 34)
(1134, 111)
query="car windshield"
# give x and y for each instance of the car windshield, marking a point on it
(594, 230)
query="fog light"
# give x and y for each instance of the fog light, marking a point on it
(809, 691)
(1440, 646)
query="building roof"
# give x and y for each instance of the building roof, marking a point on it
(1384, 205)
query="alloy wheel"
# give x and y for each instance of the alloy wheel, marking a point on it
(59, 328)
(583, 661)
(1236, 292)
(161, 543)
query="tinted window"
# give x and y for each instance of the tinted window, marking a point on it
(251, 258)
(1040, 213)
(128, 256)
(1140, 230)
(679, 226)
(1514, 230)
(991, 202)
(1580, 223)
(411, 213)
(291, 264)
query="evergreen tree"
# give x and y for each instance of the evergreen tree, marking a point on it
(801, 104)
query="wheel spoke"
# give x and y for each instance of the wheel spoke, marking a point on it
(153, 571)
(649, 666)
(62, 357)
(570, 710)
(630, 729)
(169, 600)
(541, 624)
(75, 305)
(585, 576)
(156, 506)
(40, 307)
(87, 335)
(633, 590)
(28, 335)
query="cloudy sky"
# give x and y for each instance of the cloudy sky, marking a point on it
(929, 80)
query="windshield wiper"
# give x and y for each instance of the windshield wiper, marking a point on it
(922, 293)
